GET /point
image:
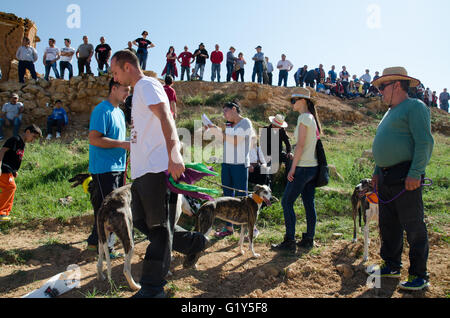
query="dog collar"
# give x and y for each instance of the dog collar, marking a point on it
(86, 184)
(372, 198)
(257, 198)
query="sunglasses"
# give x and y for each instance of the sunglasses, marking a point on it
(294, 100)
(383, 86)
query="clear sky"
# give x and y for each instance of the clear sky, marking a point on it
(360, 34)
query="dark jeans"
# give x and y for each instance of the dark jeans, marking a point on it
(230, 68)
(66, 65)
(283, 77)
(186, 69)
(234, 176)
(170, 70)
(103, 185)
(23, 66)
(16, 122)
(303, 184)
(154, 216)
(241, 73)
(101, 66)
(142, 57)
(258, 71)
(403, 214)
(59, 123)
(270, 75)
(48, 65)
(345, 84)
(82, 63)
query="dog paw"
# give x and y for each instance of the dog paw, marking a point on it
(256, 255)
(242, 252)
(354, 240)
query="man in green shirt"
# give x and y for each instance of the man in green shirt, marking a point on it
(402, 149)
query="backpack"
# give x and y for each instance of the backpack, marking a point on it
(323, 174)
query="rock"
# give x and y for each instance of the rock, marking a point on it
(290, 273)
(334, 174)
(367, 154)
(43, 83)
(260, 274)
(66, 201)
(337, 236)
(271, 271)
(346, 270)
(34, 262)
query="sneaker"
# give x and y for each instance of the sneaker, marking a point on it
(143, 293)
(5, 218)
(190, 260)
(49, 137)
(382, 270)
(285, 246)
(58, 135)
(306, 242)
(223, 233)
(115, 255)
(414, 283)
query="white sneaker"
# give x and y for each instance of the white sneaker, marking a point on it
(49, 136)
(58, 135)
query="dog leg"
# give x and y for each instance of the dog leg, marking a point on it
(100, 275)
(250, 239)
(127, 270)
(108, 259)
(241, 240)
(366, 242)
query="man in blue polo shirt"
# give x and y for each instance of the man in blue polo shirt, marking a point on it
(107, 152)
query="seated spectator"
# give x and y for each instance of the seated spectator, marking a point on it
(339, 89)
(329, 85)
(58, 118)
(321, 88)
(258, 164)
(11, 115)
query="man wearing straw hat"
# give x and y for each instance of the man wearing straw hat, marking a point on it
(402, 149)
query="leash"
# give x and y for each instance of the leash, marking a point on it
(125, 176)
(423, 184)
(230, 188)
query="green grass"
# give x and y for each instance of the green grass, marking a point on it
(47, 166)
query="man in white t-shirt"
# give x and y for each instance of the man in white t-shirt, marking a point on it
(284, 66)
(67, 54)
(154, 152)
(11, 115)
(51, 56)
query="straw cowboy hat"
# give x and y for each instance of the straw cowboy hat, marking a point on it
(306, 93)
(278, 121)
(397, 73)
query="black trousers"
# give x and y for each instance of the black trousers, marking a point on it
(103, 184)
(404, 214)
(154, 210)
(82, 63)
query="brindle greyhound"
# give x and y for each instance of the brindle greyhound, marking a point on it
(360, 203)
(115, 216)
(238, 210)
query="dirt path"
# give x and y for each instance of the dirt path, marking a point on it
(32, 255)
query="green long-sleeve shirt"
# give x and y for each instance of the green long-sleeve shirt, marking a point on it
(404, 134)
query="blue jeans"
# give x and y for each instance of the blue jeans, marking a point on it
(170, 70)
(303, 184)
(258, 70)
(142, 57)
(234, 176)
(230, 67)
(48, 65)
(283, 77)
(16, 122)
(444, 106)
(186, 69)
(200, 67)
(66, 65)
(215, 69)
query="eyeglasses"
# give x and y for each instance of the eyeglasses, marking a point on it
(383, 86)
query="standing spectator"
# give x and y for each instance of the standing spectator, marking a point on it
(285, 66)
(51, 56)
(58, 118)
(434, 99)
(171, 95)
(320, 74)
(27, 56)
(201, 55)
(258, 67)
(11, 155)
(269, 70)
(12, 112)
(366, 79)
(240, 63)
(402, 149)
(302, 174)
(216, 60)
(84, 55)
(67, 54)
(310, 77)
(377, 76)
(258, 164)
(427, 97)
(444, 97)
(130, 47)
(107, 153)
(143, 45)
(344, 76)
(102, 55)
(186, 60)
(333, 74)
(171, 65)
(154, 152)
(230, 62)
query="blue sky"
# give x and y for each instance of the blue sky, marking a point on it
(360, 34)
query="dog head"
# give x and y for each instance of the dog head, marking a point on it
(79, 179)
(364, 186)
(265, 193)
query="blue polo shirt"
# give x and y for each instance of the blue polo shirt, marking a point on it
(110, 121)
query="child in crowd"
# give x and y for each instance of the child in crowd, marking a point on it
(58, 118)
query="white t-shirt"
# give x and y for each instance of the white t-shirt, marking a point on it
(12, 110)
(239, 154)
(148, 153)
(309, 156)
(67, 50)
(285, 65)
(51, 53)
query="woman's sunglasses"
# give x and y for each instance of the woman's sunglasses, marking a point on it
(294, 100)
